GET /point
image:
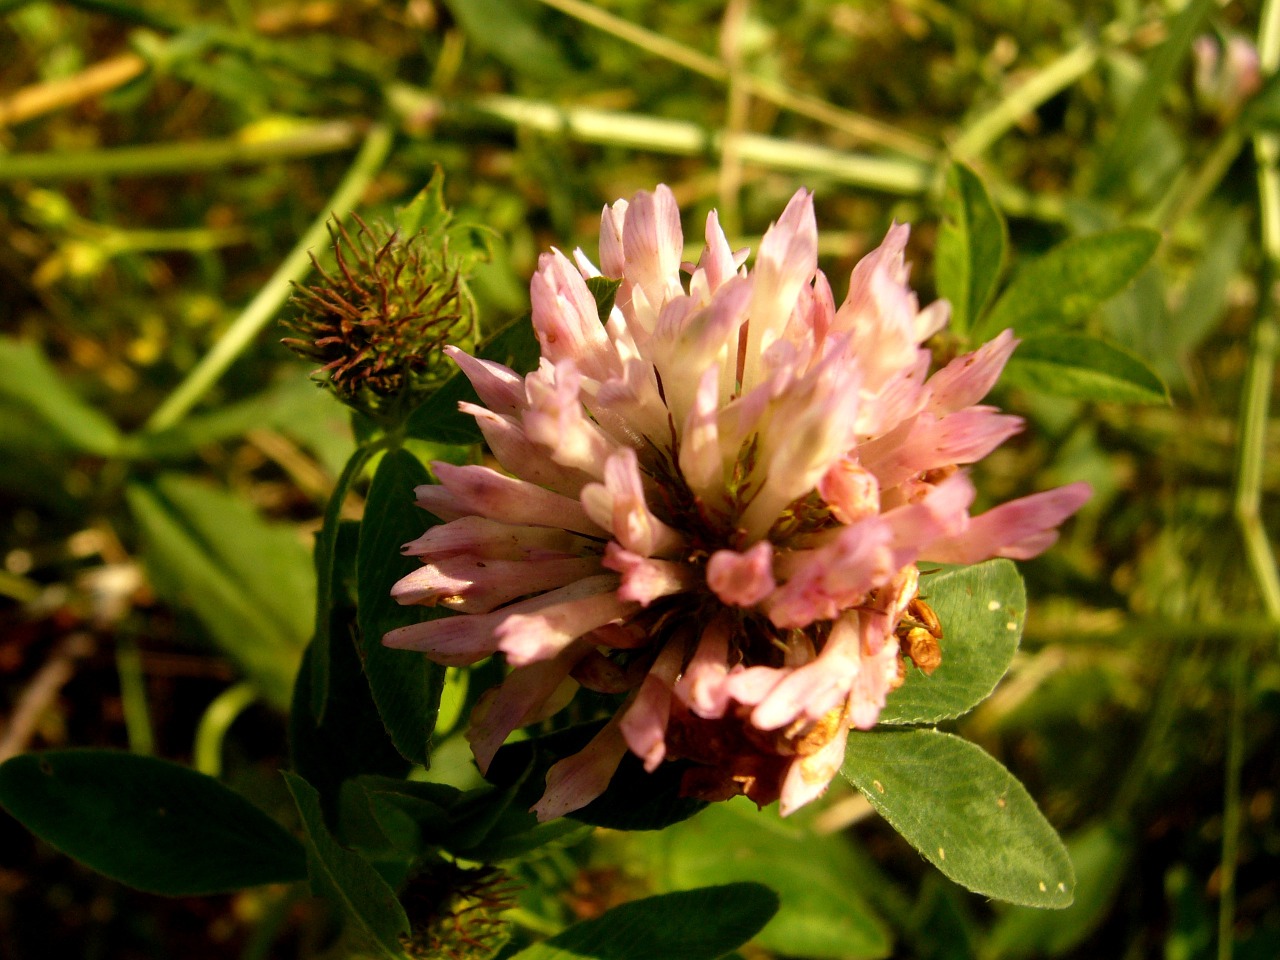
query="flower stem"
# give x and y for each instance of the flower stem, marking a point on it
(899, 175)
(178, 158)
(275, 291)
(989, 127)
(214, 724)
(133, 696)
(855, 124)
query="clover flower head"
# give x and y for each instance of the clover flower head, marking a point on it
(713, 505)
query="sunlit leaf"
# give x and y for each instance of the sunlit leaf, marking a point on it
(982, 609)
(971, 244)
(1085, 368)
(964, 812)
(1063, 287)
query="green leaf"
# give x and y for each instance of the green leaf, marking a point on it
(821, 913)
(605, 290)
(374, 918)
(506, 29)
(1101, 855)
(964, 812)
(31, 391)
(1086, 368)
(982, 609)
(439, 419)
(295, 405)
(701, 924)
(634, 799)
(427, 211)
(405, 686)
(249, 582)
(148, 823)
(1065, 285)
(349, 738)
(327, 578)
(971, 245)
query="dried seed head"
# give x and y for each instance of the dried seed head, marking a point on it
(456, 913)
(377, 320)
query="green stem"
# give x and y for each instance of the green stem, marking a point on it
(133, 696)
(854, 124)
(898, 175)
(214, 724)
(180, 158)
(989, 127)
(1231, 806)
(275, 291)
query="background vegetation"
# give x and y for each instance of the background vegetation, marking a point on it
(164, 462)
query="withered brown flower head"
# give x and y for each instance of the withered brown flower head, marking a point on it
(456, 913)
(376, 324)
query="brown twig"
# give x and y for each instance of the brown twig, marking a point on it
(41, 98)
(41, 691)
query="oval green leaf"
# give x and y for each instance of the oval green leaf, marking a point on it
(964, 812)
(982, 610)
(154, 825)
(1085, 368)
(1063, 287)
(405, 686)
(971, 244)
(701, 924)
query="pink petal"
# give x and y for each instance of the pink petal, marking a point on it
(477, 585)
(958, 438)
(575, 781)
(832, 578)
(1019, 529)
(500, 388)
(967, 379)
(702, 688)
(701, 462)
(555, 419)
(517, 702)
(653, 243)
(619, 505)
(644, 724)
(480, 490)
(465, 638)
(488, 539)
(645, 580)
(850, 490)
(808, 777)
(742, 579)
(527, 637)
(816, 688)
(519, 455)
(566, 320)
